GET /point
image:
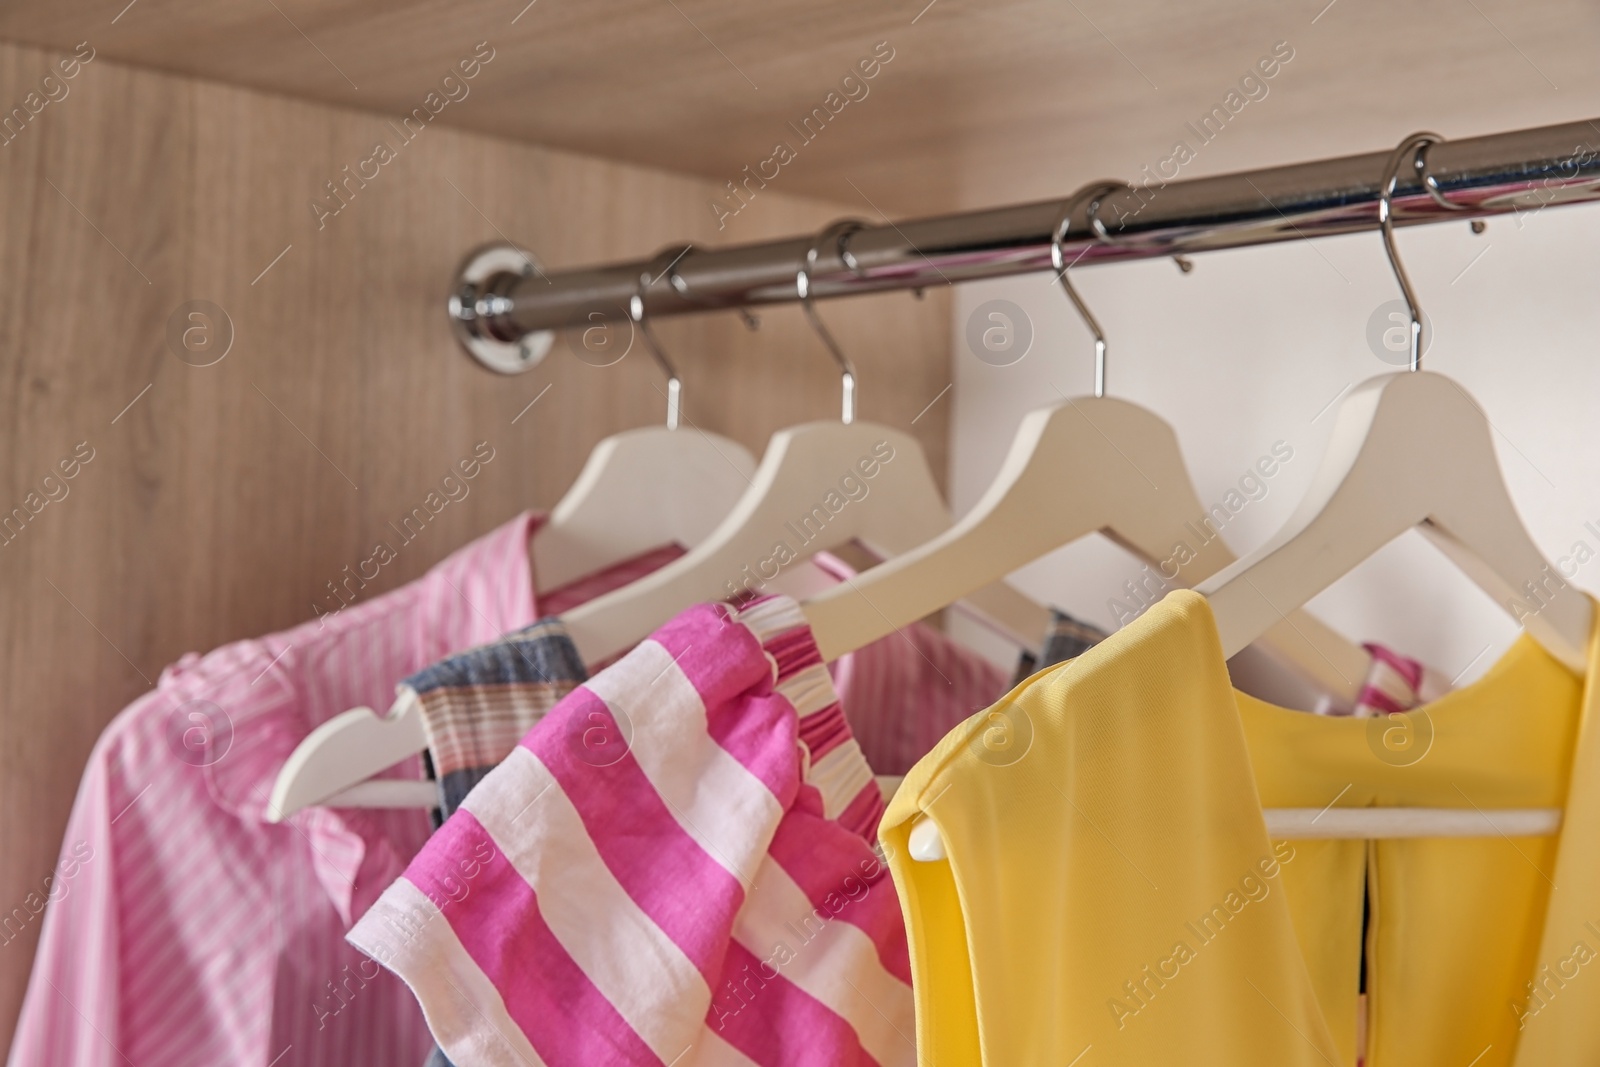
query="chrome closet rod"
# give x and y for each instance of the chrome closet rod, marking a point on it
(502, 300)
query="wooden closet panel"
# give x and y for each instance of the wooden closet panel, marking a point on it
(981, 103)
(221, 499)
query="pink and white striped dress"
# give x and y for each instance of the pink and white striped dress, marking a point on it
(673, 867)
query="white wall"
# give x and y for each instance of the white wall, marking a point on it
(1249, 350)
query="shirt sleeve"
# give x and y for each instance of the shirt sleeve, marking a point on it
(71, 1011)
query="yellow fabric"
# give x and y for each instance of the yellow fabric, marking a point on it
(1111, 893)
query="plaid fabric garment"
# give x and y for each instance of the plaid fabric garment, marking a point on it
(1066, 639)
(477, 705)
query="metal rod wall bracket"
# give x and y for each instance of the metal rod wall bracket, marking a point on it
(503, 308)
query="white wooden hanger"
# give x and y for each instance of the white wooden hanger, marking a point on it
(1408, 450)
(639, 489)
(1329, 824)
(644, 488)
(1082, 466)
(786, 514)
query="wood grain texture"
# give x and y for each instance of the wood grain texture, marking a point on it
(220, 499)
(984, 102)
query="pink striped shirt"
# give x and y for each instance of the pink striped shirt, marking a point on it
(673, 867)
(904, 692)
(196, 933)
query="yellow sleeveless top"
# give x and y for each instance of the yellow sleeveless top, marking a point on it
(1111, 896)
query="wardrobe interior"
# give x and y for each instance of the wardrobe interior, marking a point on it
(229, 160)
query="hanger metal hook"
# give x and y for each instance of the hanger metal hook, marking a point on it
(675, 279)
(1103, 235)
(1093, 192)
(661, 265)
(1414, 148)
(1430, 183)
(835, 232)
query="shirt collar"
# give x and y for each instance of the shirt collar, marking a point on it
(271, 694)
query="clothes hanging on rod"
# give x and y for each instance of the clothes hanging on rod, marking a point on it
(454, 732)
(672, 854)
(1186, 927)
